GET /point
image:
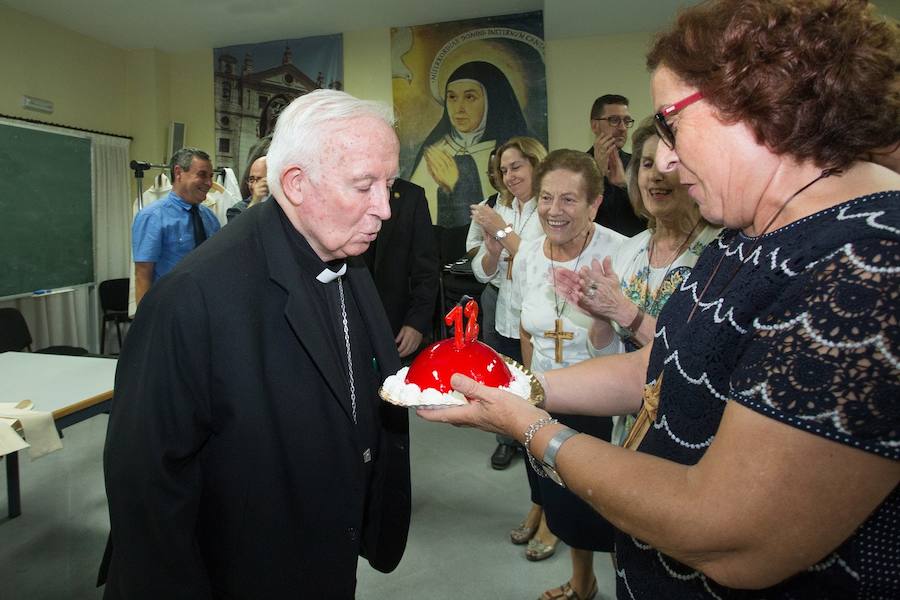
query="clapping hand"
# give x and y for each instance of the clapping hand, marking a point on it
(604, 145)
(616, 170)
(487, 217)
(595, 290)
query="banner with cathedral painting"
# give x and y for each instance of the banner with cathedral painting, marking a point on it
(461, 89)
(254, 82)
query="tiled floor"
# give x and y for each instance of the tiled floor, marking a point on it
(458, 545)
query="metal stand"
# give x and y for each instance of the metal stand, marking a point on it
(139, 167)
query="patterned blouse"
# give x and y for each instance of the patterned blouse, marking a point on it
(650, 287)
(806, 333)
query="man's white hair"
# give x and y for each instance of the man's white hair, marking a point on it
(304, 126)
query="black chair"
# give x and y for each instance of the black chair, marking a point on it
(15, 336)
(455, 282)
(114, 303)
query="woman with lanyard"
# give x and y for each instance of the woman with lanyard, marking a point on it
(629, 289)
(555, 334)
(765, 461)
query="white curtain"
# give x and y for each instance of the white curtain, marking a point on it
(112, 208)
(73, 318)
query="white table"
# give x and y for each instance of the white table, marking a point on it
(73, 388)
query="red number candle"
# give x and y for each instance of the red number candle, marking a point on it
(455, 318)
(471, 322)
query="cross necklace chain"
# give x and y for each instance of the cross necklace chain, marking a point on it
(344, 322)
(519, 230)
(825, 173)
(557, 334)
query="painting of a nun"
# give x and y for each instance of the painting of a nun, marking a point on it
(480, 113)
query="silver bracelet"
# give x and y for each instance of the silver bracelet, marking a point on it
(529, 434)
(550, 452)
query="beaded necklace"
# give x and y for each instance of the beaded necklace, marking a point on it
(647, 301)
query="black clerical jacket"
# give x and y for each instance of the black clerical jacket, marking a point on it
(233, 468)
(404, 260)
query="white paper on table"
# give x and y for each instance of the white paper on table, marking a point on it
(38, 428)
(10, 441)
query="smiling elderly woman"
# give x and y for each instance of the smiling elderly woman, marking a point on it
(626, 292)
(555, 334)
(769, 392)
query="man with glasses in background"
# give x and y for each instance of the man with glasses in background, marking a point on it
(610, 122)
(254, 188)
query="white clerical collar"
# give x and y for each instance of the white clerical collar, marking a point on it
(327, 275)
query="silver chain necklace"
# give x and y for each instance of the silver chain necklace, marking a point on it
(340, 281)
(517, 214)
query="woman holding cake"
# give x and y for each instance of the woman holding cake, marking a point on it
(556, 334)
(770, 462)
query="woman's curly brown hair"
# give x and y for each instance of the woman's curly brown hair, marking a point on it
(814, 79)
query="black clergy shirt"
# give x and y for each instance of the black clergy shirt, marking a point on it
(328, 310)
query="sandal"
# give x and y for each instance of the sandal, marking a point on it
(565, 592)
(538, 550)
(522, 533)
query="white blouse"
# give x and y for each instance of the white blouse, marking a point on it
(527, 225)
(534, 295)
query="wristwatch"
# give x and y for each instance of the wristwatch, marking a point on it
(502, 233)
(553, 446)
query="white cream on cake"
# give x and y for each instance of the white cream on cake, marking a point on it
(397, 391)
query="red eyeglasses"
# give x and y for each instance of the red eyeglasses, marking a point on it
(662, 126)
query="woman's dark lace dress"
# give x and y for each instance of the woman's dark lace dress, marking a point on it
(807, 333)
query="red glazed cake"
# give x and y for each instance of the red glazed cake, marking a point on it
(427, 381)
(435, 365)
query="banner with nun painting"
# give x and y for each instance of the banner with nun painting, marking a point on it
(460, 90)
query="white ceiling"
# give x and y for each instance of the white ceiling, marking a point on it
(177, 25)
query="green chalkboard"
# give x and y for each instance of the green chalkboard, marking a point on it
(46, 215)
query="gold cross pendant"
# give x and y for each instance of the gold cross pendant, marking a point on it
(558, 336)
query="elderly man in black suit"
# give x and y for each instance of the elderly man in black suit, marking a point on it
(404, 264)
(248, 454)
